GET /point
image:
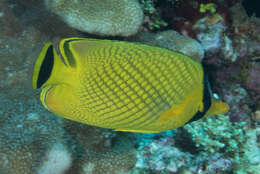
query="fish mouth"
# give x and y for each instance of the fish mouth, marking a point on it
(43, 95)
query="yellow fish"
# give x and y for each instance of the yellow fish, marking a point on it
(124, 86)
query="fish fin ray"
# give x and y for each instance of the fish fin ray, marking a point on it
(67, 52)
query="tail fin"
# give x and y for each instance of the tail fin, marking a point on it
(217, 107)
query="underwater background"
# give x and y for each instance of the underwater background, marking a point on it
(222, 34)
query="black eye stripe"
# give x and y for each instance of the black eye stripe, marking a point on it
(46, 67)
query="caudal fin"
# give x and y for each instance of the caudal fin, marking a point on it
(217, 107)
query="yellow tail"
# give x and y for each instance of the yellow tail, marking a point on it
(217, 107)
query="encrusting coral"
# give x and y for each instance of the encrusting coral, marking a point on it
(102, 17)
(26, 132)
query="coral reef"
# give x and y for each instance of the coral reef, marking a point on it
(113, 162)
(161, 155)
(110, 18)
(224, 35)
(26, 131)
(152, 19)
(222, 147)
(100, 150)
(35, 141)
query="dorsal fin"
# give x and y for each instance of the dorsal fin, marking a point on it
(67, 51)
(73, 49)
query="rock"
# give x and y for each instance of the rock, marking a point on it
(238, 14)
(19, 45)
(174, 41)
(237, 98)
(102, 17)
(252, 80)
(246, 36)
(256, 116)
(27, 131)
(210, 32)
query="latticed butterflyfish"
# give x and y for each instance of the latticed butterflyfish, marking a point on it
(124, 86)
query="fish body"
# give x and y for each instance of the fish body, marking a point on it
(123, 86)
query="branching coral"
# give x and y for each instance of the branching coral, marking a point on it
(152, 17)
(232, 140)
(223, 147)
(215, 134)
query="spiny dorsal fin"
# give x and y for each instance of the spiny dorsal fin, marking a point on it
(67, 52)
